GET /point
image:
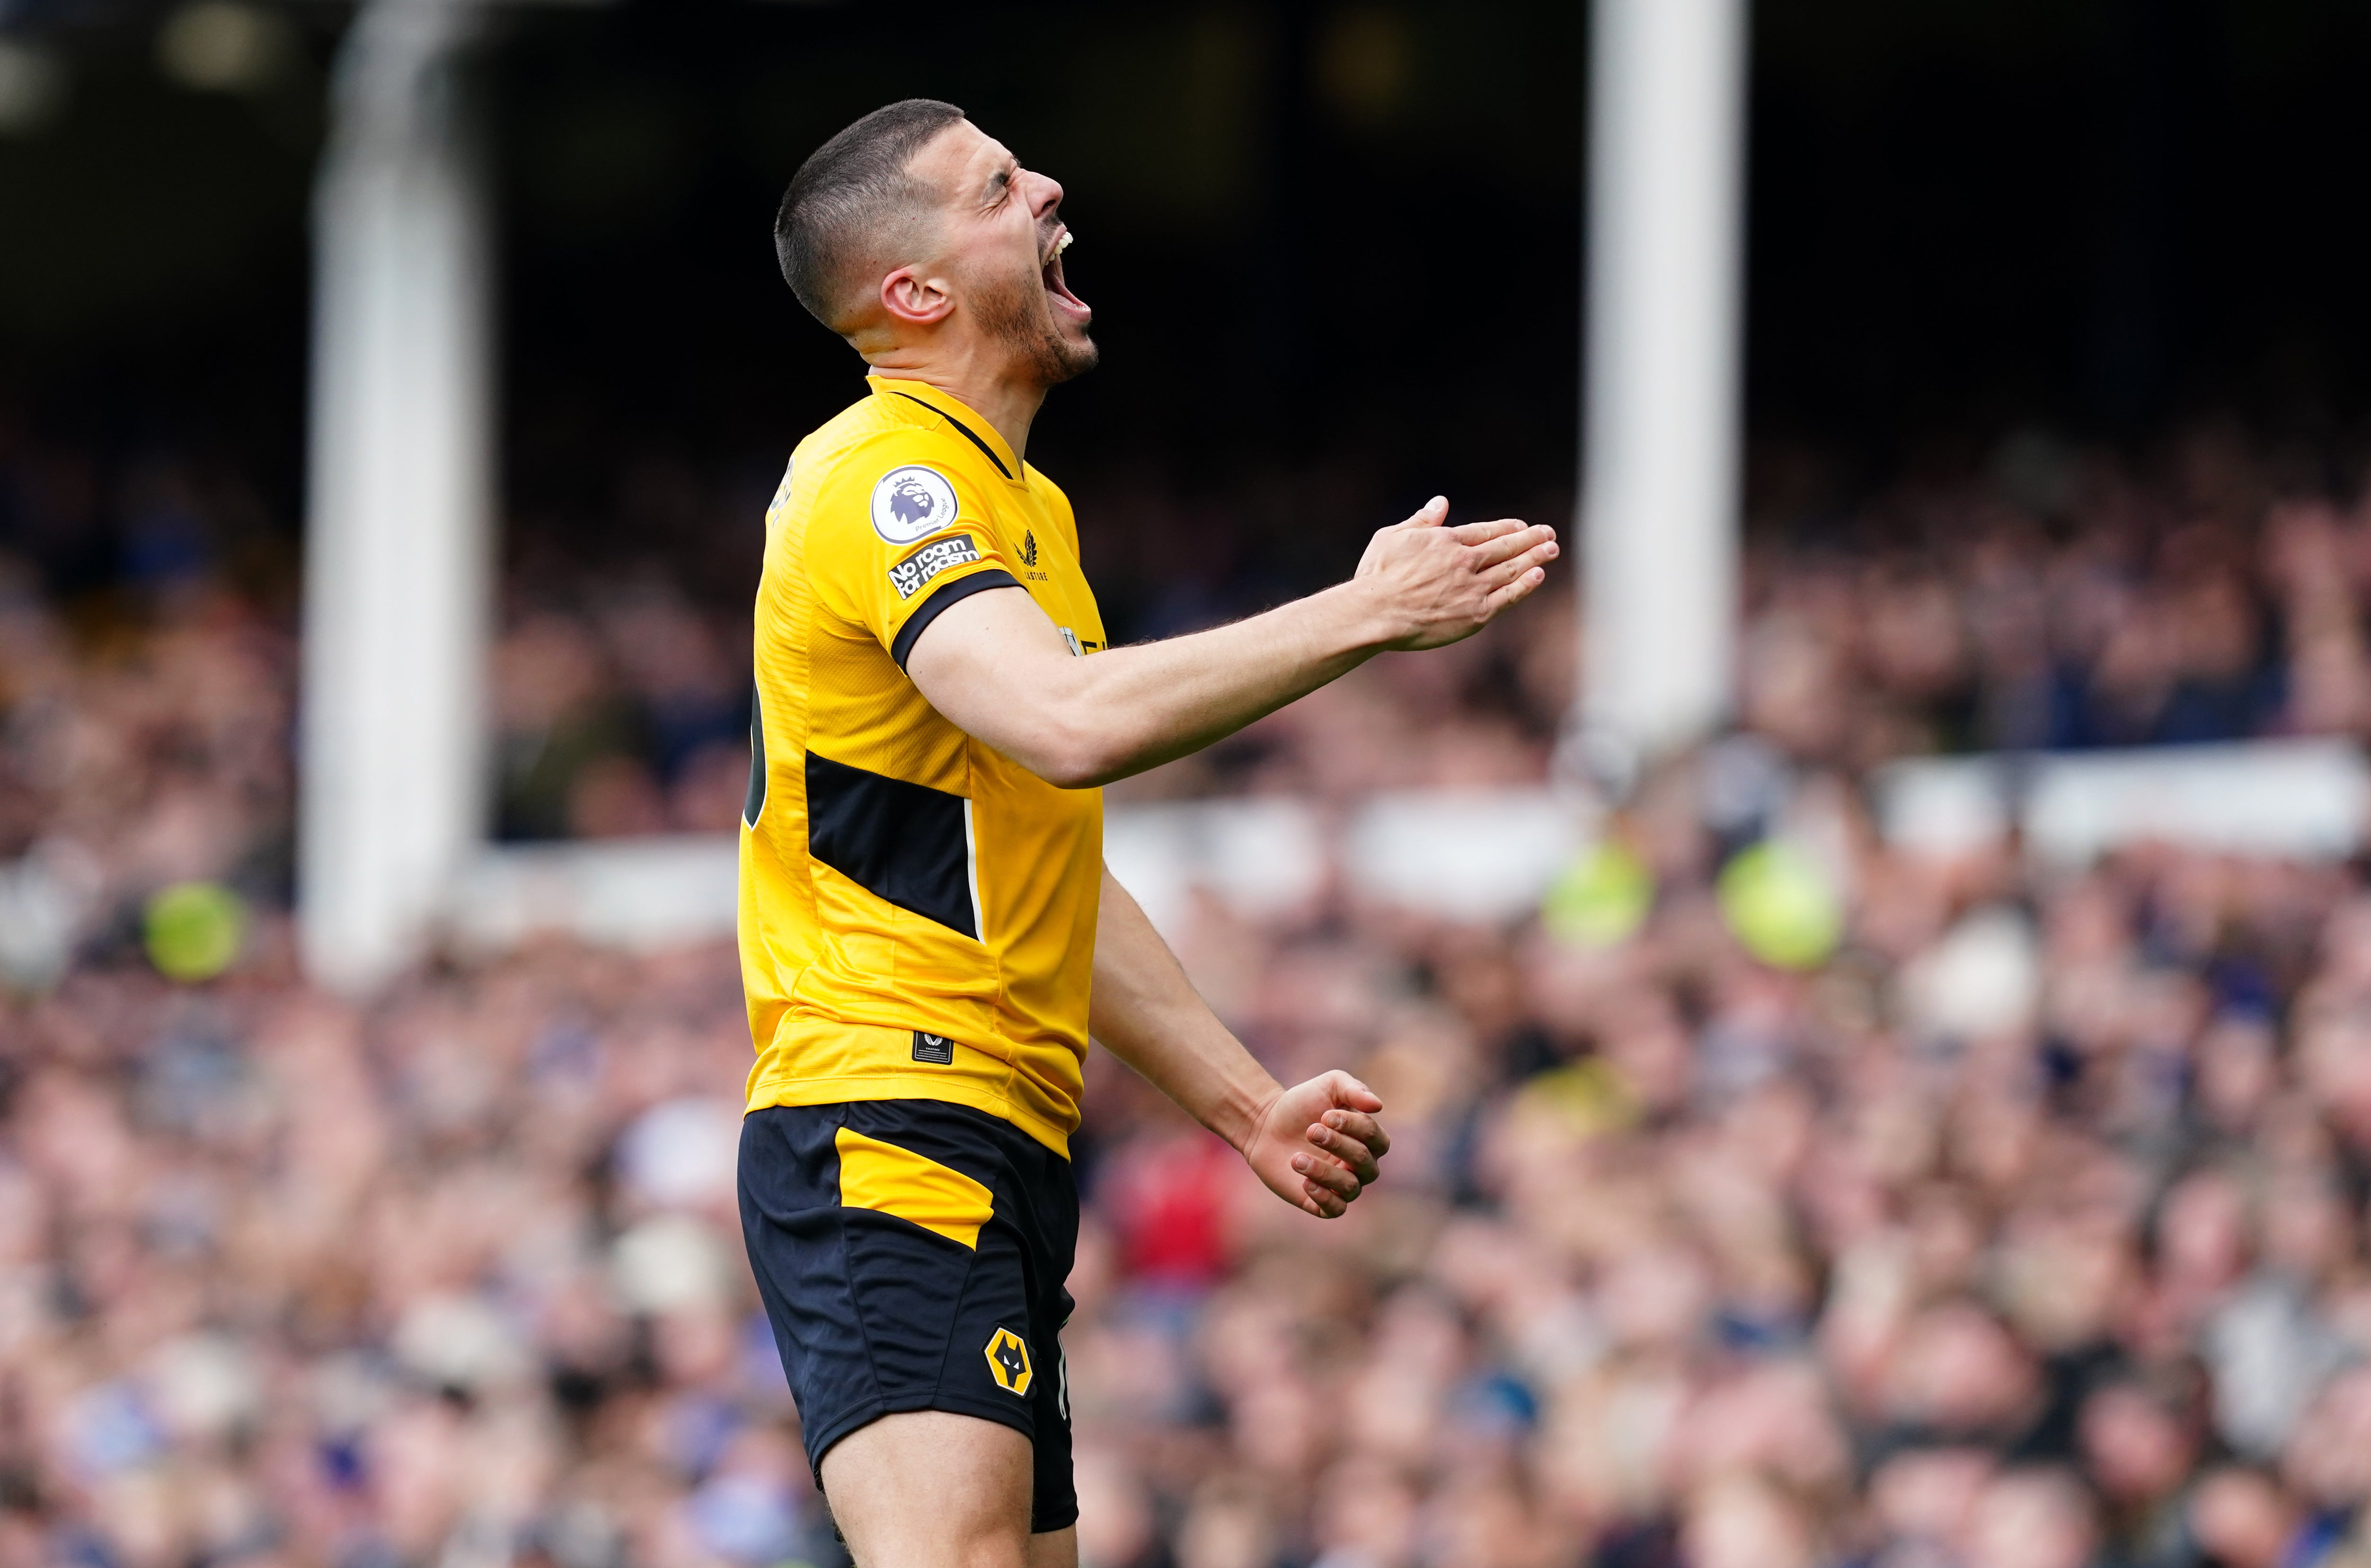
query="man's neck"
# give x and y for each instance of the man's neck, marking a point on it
(983, 383)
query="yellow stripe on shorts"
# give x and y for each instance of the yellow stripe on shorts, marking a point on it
(884, 1176)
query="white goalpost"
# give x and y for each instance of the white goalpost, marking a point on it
(1660, 397)
(400, 513)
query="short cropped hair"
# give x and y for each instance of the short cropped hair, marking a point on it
(852, 202)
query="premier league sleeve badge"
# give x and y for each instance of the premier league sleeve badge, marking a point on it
(912, 502)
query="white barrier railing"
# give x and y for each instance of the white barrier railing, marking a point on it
(2295, 799)
(1486, 856)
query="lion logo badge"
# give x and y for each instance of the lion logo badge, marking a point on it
(912, 502)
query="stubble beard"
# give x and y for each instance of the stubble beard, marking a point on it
(1023, 322)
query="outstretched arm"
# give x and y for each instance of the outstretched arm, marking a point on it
(998, 669)
(1314, 1144)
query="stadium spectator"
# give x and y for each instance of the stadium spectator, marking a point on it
(1681, 1259)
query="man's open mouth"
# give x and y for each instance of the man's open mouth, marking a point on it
(1051, 274)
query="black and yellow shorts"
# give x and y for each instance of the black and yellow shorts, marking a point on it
(912, 1256)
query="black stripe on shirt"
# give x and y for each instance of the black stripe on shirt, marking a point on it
(752, 804)
(902, 842)
(969, 434)
(928, 610)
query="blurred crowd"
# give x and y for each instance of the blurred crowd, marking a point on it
(2039, 596)
(2021, 1225)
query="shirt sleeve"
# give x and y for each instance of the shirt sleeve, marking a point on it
(895, 538)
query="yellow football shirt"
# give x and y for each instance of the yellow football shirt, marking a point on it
(918, 913)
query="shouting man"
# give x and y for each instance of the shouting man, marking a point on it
(928, 934)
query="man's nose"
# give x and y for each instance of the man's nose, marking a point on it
(1046, 193)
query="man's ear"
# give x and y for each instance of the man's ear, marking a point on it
(910, 296)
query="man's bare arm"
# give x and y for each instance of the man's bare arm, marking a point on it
(998, 670)
(1314, 1144)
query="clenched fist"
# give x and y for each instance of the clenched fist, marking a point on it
(1315, 1145)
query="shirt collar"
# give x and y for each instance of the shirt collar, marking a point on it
(957, 412)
